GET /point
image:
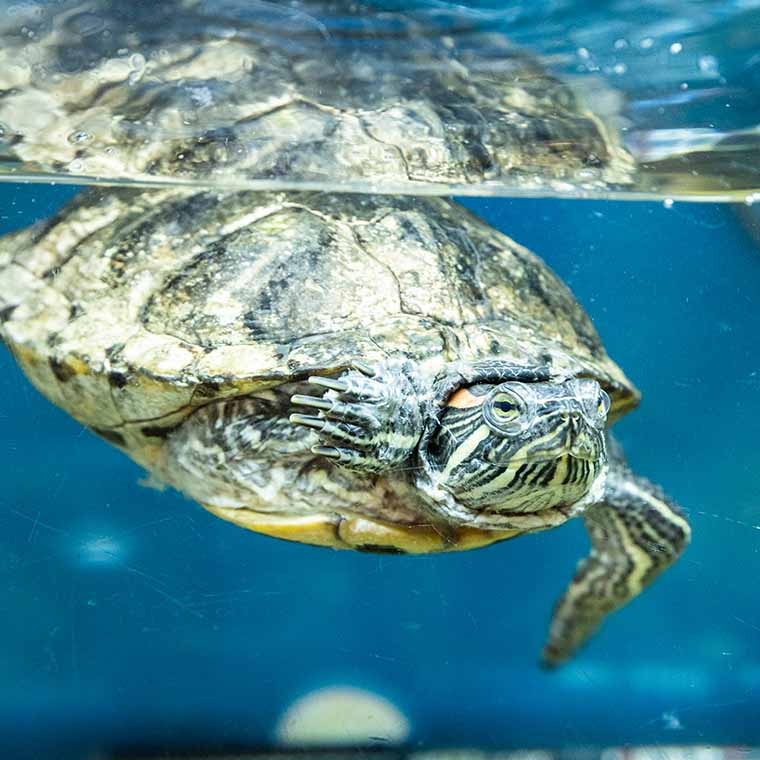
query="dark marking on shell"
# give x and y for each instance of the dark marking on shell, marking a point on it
(157, 431)
(251, 317)
(117, 378)
(61, 370)
(546, 359)
(378, 549)
(7, 313)
(207, 389)
(112, 436)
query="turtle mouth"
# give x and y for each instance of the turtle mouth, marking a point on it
(568, 451)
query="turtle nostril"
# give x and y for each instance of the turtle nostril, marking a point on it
(583, 446)
(577, 422)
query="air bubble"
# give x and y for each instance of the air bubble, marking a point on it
(668, 203)
(708, 64)
(79, 137)
(676, 48)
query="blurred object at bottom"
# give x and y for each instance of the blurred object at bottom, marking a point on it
(646, 752)
(341, 716)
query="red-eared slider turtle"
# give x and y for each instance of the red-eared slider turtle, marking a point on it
(356, 371)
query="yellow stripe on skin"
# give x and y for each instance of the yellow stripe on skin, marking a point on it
(641, 562)
(515, 463)
(635, 536)
(465, 449)
(658, 505)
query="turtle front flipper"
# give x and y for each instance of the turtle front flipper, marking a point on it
(369, 419)
(636, 532)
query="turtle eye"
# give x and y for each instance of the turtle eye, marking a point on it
(603, 405)
(504, 412)
(504, 407)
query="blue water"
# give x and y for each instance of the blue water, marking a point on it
(133, 616)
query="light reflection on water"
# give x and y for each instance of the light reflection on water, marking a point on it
(677, 81)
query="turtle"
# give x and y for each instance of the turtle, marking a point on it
(363, 371)
(374, 372)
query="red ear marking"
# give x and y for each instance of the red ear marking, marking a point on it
(463, 399)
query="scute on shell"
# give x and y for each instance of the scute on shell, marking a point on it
(132, 309)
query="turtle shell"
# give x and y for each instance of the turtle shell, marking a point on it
(130, 309)
(313, 94)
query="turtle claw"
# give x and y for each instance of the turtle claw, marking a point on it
(338, 432)
(313, 401)
(365, 369)
(333, 409)
(368, 419)
(317, 423)
(342, 456)
(329, 383)
(331, 452)
(355, 385)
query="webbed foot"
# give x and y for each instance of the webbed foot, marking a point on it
(636, 533)
(369, 418)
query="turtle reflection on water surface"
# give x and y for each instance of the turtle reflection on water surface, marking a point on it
(356, 371)
(370, 372)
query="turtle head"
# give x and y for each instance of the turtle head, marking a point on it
(517, 447)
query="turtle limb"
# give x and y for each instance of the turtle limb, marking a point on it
(369, 419)
(636, 532)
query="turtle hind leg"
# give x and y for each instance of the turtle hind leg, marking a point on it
(636, 533)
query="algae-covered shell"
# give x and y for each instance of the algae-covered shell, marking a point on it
(132, 309)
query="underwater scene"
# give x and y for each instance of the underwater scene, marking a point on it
(448, 310)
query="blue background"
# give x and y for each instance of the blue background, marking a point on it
(130, 615)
